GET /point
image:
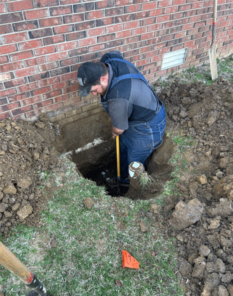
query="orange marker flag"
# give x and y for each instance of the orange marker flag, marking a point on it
(129, 260)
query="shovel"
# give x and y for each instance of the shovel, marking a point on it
(212, 51)
(10, 262)
(115, 183)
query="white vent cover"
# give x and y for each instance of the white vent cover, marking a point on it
(174, 58)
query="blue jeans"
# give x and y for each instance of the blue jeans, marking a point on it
(140, 140)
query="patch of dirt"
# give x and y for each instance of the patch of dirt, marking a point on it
(201, 217)
(25, 152)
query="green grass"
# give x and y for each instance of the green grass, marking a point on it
(87, 258)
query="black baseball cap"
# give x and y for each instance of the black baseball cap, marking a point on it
(88, 74)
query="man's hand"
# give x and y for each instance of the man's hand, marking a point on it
(116, 132)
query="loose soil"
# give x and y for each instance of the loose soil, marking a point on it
(200, 216)
(26, 153)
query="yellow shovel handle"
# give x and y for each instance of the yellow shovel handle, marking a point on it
(118, 156)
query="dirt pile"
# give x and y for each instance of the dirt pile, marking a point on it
(201, 217)
(25, 153)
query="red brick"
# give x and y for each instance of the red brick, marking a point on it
(179, 2)
(49, 22)
(185, 7)
(43, 104)
(45, 50)
(94, 14)
(41, 91)
(69, 76)
(20, 5)
(114, 11)
(114, 28)
(84, 25)
(22, 110)
(60, 99)
(5, 29)
(30, 44)
(131, 25)
(28, 87)
(31, 101)
(46, 3)
(96, 32)
(70, 89)
(49, 66)
(63, 29)
(7, 92)
(70, 61)
(2, 8)
(170, 9)
(57, 56)
(49, 81)
(17, 37)
(147, 36)
(188, 26)
(36, 14)
(96, 47)
(3, 60)
(10, 67)
(123, 34)
(67, 46)
(77, 51)
(23, 26)
(197, 5)
(52, 94)
(162, 19)
(8, 48)
(14, 82)
(139, 31)
(60, 85)
(11, 17)
(76, 35)
(154, 27)
(149, 6)
(165, 3)
(21, 56)
(105, 21)
(123, 2)
(105, 38)
(156, 12)
(87, 41)
(61, 10)
(74, 18)
(26, 72)
(5, 115)
(104, 4)
(54, 39)
(35, 61)
(84, 7)
(40, 33)
(9, 107)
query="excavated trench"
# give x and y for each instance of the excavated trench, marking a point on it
(94, 152)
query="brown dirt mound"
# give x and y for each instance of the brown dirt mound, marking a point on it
(25, 152)
(201, 216)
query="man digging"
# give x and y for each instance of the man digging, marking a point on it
(137, 114)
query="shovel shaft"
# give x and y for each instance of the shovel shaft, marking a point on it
(118, 156)
(10, 262)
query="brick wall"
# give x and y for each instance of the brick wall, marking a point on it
(43, 42)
